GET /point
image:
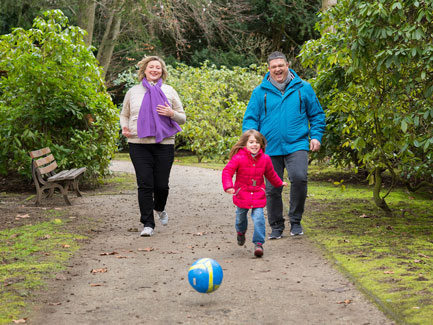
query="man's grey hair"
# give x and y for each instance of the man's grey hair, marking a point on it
(276, 55)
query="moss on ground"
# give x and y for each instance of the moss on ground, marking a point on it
(388, 257)
(28, 254)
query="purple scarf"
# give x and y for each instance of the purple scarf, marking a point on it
(150, 123)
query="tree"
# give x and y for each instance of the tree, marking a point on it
(375, 78)
(326, 4)
(52, 94)
(86, 18)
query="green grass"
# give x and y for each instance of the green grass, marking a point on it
(28, 255)
(389, 258)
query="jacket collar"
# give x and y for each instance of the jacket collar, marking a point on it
(249, 155)
(293, 85)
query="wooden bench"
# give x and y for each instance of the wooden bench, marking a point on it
(46, 177)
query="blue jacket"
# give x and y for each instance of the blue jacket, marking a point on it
(287, 120)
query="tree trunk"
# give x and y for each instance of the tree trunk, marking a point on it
(326, 4)
(109, 39)
(380, 202)
(86, 18)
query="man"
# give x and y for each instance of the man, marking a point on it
(285, 109)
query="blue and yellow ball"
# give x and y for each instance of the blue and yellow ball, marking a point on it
(205, 275)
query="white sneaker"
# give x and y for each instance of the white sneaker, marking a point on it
(147, 232)
(163, 217)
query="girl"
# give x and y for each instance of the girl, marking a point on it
(249, 162)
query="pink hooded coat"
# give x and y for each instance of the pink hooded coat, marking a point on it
(249, 185)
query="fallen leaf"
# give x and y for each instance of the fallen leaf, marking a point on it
(22, 216)
(422, 255)
(199, 233)
(133, 230)
(415, 307)
(120, 256)
(66, 246)
(147, 249)
(346, 302)
(417, 261)
(96, 285)
(388, 272)
(22, 320)
(101, 270)
(112, 253)
(55, 303)
(364, 216)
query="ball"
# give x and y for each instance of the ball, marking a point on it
(205, 275)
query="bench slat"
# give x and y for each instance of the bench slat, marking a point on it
(40, 152)
(67, 174)
(44, 161)
(49, 168)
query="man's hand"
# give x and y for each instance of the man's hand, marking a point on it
(314, 145)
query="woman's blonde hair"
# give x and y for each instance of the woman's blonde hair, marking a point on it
(242, 142)
(142, 65)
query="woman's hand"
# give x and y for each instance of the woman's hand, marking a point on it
(285, 184)
(230, 190)
(126, 132)
(165, 110)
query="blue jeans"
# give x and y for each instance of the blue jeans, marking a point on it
(296, 164)
(258, 221)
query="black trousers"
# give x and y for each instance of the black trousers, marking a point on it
(152, 164)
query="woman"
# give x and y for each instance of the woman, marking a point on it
(150, 118)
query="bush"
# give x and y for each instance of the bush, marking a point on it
(52, 94)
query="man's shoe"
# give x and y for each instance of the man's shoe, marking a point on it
(275, 234)
(296, 229)
(163, 217)
(241, 238)
(258, 250)
(147, 232)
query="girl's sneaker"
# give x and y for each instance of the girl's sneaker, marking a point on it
(241, 238)
(258, 250)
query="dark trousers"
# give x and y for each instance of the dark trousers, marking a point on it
(296, 164)
(152, 164)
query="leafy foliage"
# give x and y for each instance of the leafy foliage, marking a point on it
(375, 78)
(52, 94)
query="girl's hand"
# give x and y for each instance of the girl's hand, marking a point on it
(285, 184)
(126, 132)
(230, 190)
(165, 110)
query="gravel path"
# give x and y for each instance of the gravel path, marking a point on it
(145, 279)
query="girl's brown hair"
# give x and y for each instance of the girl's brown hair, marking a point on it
(242, 142)
(142, 65)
